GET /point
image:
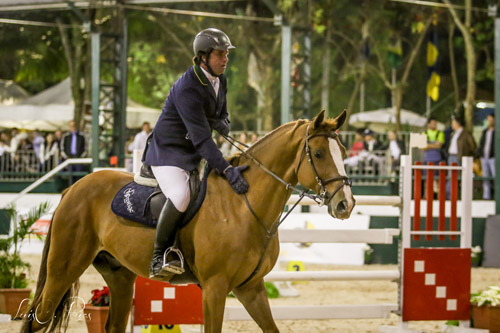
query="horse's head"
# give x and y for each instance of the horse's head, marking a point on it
(321, 165)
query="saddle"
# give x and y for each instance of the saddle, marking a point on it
(142, 200)
(143, 204)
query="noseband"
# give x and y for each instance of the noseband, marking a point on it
(323, 198)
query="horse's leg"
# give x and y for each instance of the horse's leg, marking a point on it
(253, 296)
(120, 281)
(215, 292)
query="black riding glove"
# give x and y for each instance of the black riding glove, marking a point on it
(236, 179)
(222, 126)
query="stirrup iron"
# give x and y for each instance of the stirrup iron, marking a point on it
(170, 269)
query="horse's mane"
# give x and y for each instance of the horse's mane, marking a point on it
(269, 137)
(262, 142)
(259, 144)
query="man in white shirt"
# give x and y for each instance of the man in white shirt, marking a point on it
(461, 144)
(486, 152)
(141, 138)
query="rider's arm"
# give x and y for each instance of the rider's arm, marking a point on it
(190, 107)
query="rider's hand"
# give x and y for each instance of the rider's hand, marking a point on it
(235, 178)
(222, 126)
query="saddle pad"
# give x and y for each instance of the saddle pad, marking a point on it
(131, 202)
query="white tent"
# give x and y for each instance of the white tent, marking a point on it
(10, 92)
(53, 108)
(382, 120)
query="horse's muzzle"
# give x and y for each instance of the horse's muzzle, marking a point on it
(341, 204)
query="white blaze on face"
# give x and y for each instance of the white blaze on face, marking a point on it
(339, 163)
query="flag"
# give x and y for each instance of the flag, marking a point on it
(395, 54)
(434, 79)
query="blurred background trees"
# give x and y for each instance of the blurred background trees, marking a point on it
(363, 55)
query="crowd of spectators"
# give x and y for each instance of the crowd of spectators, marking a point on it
(36, 151)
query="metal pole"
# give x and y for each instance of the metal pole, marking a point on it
(286, 47)
(307, 75)
(428, 106)
(362, 97)
(497, 114)
(96, 50)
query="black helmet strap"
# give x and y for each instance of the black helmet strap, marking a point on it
(206, 63)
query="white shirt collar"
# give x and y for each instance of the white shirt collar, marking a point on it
(209, 76)
(214, 81)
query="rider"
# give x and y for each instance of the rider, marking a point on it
(182, 136)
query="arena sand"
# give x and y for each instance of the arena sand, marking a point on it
(311, 293)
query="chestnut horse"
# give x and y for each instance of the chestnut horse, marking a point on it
(223, 244)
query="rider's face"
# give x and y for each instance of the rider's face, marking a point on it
(218, 61)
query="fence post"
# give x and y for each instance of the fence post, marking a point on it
(467, 189)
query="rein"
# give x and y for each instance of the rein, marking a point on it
(322, 198)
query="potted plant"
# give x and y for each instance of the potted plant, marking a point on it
(485, 307)
(14, 294)
(97, 310)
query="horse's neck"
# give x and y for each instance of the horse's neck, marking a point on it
(278, 152)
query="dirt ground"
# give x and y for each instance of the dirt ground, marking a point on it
(311, 293)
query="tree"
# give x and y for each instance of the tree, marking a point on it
(470, 55)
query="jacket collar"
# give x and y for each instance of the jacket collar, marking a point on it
(204, 81)
(200, 75)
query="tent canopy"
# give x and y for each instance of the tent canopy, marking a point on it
(382, 120)
(53, 108)
(11, 93)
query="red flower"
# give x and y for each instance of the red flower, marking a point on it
(100, 297)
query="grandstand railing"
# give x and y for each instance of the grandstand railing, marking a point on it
(25, 165)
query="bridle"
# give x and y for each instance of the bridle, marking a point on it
(323, 197)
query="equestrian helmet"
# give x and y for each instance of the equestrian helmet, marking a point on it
(211, 39)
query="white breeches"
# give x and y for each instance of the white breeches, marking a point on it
(174, 183)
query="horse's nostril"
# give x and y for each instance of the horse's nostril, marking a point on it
(342, 206)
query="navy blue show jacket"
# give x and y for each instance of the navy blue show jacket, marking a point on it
(183, 132)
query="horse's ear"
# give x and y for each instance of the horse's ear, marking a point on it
(318, 119)
(341, 119)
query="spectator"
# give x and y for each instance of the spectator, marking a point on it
(396, 147)
(253, 138)
(224, 146)
(141, 138)
(15, 138)
(371, 143)
(435, 140)
(358, 144)
(486, 152)
(73, 143)
(461, 144)
(73, 146)
(49, 152)
(5, 149)
(243, 139)
(37, 140)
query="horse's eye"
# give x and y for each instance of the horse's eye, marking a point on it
(318, 154)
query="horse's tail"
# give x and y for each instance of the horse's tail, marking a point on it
(60, 318)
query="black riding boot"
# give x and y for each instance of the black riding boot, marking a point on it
(168, 220)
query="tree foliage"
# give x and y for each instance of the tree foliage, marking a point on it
(353, 43)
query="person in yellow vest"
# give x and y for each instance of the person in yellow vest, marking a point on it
(435, 139)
